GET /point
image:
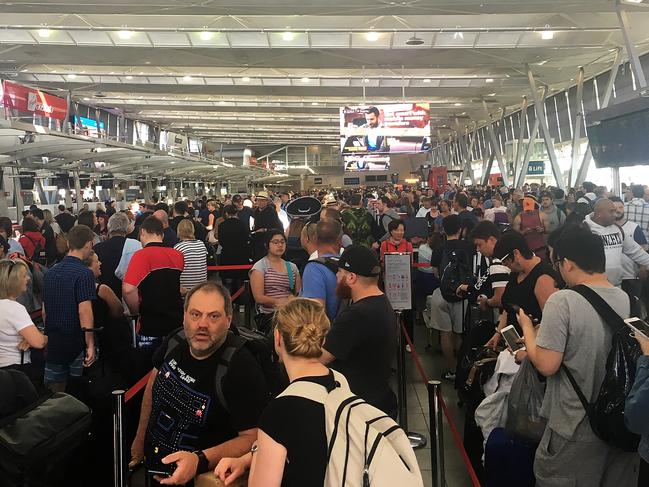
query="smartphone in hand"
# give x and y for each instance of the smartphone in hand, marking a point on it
(638, 326)
(511, 337)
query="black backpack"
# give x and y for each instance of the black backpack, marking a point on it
(259, 345)
(455, 270)
(606, 414)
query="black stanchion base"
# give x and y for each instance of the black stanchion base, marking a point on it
(417, 440)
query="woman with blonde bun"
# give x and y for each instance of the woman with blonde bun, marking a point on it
(291, 446)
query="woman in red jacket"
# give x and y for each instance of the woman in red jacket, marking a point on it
(31, 239)
(396, 242)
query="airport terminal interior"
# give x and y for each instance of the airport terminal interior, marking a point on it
(267, 243)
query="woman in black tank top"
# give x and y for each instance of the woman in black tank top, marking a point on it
(521, 292)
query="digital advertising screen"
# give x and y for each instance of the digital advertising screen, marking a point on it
(385, 129)
(367, 162)
(89, 126)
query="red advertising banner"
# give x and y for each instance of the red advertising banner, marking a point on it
(30, 100)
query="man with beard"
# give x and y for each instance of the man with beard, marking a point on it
(204, 396)
(361, 342)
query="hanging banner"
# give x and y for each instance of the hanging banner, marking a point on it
(30, 100)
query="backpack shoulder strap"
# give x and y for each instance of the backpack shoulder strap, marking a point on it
(289, 273)
(613, 320)
(176, 339)
(307, 390)
(235, 344)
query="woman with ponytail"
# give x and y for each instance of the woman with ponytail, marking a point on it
(291, 447)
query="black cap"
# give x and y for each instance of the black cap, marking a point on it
(304, 207)
(360, 260)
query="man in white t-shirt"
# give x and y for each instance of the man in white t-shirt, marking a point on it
(630, 282)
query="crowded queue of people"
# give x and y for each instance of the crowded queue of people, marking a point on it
(496, 256)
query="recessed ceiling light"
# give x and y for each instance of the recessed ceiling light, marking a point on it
(427, 80)
(314, 103)
(633, 1)
(206, 35)
(457, 104)
(306, 80)
(129, 77)
(491, 94)
(187, 78)
(245, 79)
(222, 102)
(372, 36)
(72, 76)
(458, 35)
(45, 33)
(288, 36)
(125, 34)
(547, 35)
(489, 80)
(366, 80)
(86, 99)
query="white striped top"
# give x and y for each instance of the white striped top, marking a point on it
(195, 270)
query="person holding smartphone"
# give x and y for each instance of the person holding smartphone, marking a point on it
(636, 411)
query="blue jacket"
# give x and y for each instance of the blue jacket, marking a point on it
(636, 412)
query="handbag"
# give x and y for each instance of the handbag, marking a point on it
(524, 421)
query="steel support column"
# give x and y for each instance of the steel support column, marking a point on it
(77, 189)
(521, 139)
(576, 131)
(588, 155)
(528, 153)
(631, 51)
(539, 108)
(494, 142)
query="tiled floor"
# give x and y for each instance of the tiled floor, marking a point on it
(418, 417)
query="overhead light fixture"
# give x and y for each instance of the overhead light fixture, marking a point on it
(633, 1)
(372, 36)
(45, 33)
(86, 99)
(71, 76)
(489, 80)
(457, 104)
(366, 80)
(129, 77)
(125, 34)
(186, 79)
(427, 80)
(288, 36)
(245, 79)
(306, 80)
(547, 35)
(206, 35)
(314, 103)
(414, 41)
(458, 35)
(222, 102)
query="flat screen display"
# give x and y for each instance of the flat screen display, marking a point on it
(367, 162)
(90, 127)
(621, 141)
(385, 129)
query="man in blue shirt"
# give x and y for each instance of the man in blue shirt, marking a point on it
(69, 289)
(318, 281)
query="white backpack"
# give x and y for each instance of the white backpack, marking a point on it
(366, 448)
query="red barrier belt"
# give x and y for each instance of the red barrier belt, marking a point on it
(418, 265)
(242, 267)
(451, 424)
(139, 385)
(238, 293)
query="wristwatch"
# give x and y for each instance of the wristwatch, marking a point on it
(203, 463)
(254, 448)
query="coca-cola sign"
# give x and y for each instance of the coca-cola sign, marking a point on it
(30, 100)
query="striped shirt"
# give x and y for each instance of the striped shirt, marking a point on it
(195, 270)
(276, 284)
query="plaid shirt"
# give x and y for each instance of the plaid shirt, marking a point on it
(637, 210)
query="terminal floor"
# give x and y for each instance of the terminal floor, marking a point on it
(418, 420)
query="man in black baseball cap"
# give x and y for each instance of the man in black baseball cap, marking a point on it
(361, 342)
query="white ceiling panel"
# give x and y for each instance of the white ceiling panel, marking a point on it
(420, 83)
(219, 81)
(455, 83)
(382, 40)
(333, 40)
(215, 39)
(55, 37)
(91, 38)
(394, 83)
(135, 39)
(50, 77)
(251, 81)
(248, 39)
(163, 80)
(334, 82)
(498, 39)
(276, 82)
(294, 39)
(169, 39)
(15, 36)
(455, 39)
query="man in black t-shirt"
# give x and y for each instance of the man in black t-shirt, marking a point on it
(65, 219)
(184, 427)
(362, 341)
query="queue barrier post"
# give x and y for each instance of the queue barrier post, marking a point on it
(416, 440)
(119, 461)
(436, 433)
(247, 307)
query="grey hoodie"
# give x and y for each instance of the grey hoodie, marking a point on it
(614, 246)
